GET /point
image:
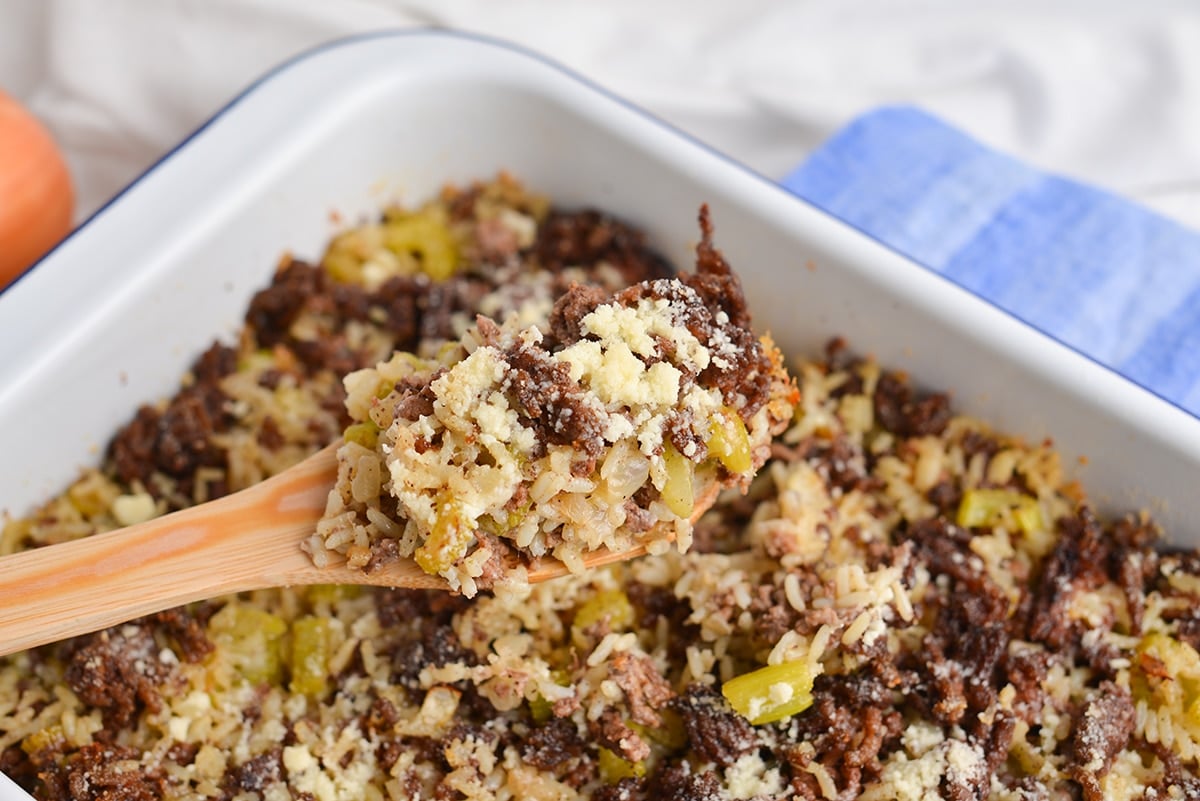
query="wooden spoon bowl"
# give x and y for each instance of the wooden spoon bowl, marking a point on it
(249, 540)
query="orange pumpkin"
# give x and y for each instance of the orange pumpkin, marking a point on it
(36, 196)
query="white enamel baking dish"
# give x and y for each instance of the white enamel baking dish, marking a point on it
(112, 317)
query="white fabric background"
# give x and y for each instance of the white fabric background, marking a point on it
(1103, 90)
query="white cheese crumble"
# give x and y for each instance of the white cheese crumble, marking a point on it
(132, 509)
(750, 777)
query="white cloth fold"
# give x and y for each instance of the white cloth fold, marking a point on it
(1103, 90)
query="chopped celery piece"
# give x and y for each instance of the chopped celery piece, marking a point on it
(448, 541)
(1028, 515)
(987, 507)
(671, 734)
(614, 767)
(250, 639)
(332, 593)
(402, 244)
(729, 442)
(348, 251)
(426, 236)
(310, 655)
(677, 492)
(611, 604)
(1180, 689)
(365, 433)
(771, 693)
(540, 709)
(49, 737)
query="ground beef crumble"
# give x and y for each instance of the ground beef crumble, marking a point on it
(574, 238)
(900, 410)
(1100, 731)
(558, 748)
(644, 686)
(715, 732)
(550, 402)
(119, 670)
(100, 772)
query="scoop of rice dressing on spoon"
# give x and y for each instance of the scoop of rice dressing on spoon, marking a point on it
(606, 435)
(519, 455)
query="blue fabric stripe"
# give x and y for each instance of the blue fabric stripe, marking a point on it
(1104, 275)
(1168, 358)
(911, 181)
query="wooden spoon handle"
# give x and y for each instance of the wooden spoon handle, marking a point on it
(245, 541)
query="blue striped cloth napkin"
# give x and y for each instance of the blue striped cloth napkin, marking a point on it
(1113, 280)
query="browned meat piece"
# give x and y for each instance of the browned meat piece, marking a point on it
(383, 552)
(101, 772)
(715, 732)
(214, 364)
(610, 731)
(269, 435)
(1175, 775)
(117, 670)
(437, 646)
(555, 742)
(188, 632)
(852, 727)
(679, 782)
(550, 402)
(1078, 562)
(1099, 732)
(624, 790)
(899, 410)
(1026, 669)
(645, 690)
(175, 441)
(257, 773)
(558, 748)
(497, 242)
(178, 440)
(132, 449)
(274, 309)
(398, 299)
(577, 303)
(584, 238)
(330, 353)
(841, 463)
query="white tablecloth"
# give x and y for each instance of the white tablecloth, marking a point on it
(1103, 90)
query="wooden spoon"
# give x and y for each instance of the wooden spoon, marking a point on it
(249, 540)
